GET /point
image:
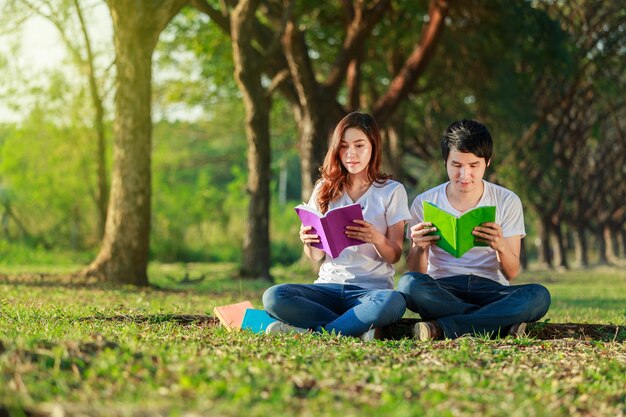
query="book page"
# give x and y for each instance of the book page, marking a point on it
(309, 217)
(331, 227)
(445, 224)
(467, 222)
(336, 222)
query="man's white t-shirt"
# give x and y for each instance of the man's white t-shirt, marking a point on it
(383, 205)
(480, 260)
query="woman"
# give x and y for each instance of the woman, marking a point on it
(353, 294)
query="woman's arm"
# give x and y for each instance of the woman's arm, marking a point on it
(312, 253)
(388, 245)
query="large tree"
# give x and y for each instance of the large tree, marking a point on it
(568, 132)
(123, 257)
(314, 91)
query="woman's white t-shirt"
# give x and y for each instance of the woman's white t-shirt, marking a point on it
(383, 205)
(480, 260)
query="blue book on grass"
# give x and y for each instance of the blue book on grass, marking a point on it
(256, 320)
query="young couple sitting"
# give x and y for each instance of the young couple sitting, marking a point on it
(353, 294)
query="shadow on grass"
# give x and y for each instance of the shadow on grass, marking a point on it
(539, 331)
(42, 279)
(155, 318)
(403, 329)
(219, 285)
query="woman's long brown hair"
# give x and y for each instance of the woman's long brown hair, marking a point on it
(334, 175)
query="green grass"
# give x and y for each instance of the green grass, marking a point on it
(60, 351)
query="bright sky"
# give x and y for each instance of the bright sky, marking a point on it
(41, 47)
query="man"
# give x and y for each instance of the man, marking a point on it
(471, 294)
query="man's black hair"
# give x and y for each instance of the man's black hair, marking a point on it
(467, 136)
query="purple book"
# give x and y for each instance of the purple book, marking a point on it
(331, 226)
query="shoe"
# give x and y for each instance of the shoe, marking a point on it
(281, 327)
(518, 330)
(375, 333)
(427, 330)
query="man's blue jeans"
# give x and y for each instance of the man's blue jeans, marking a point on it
(471, 304)
(346, 309)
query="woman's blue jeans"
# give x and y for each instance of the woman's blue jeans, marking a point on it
(346, 309)
(471, 304)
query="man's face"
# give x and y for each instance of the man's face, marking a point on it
(465, 170)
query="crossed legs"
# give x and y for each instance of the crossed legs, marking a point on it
(465, 304)
(345, 309)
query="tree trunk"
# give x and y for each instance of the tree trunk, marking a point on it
(603, 259)
(102, 193)
(545, 254)
(256, 245)
(608, 242)
(615, 236)
(316, 111)
(560, 252)
(580, 244)
(314, 132)
(523, 255)
(123, 257)
(393, 146)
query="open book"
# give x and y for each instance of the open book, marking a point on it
(455, 233)
(331, 227)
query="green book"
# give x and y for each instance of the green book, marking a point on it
(455, 233)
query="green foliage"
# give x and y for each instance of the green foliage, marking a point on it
(97, 350)
(194, 59)
(196, 196)
(490, 63)
(47, 178)
(18, 256)
(199, 188)
(284, 234)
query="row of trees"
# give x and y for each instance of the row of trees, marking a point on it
(546, 77)
(575, 147)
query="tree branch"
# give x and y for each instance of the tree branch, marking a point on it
(359, 28)
(415, 64)
(219, 17)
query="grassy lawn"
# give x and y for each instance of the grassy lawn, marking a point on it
(68, 349)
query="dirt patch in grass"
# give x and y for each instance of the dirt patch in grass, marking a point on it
(45, 279)
(583, 331)
(157, 318)
(541, 331)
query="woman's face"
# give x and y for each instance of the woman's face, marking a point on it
(355, 151)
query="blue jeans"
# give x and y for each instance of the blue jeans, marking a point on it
(465, 304)
(346, 309)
